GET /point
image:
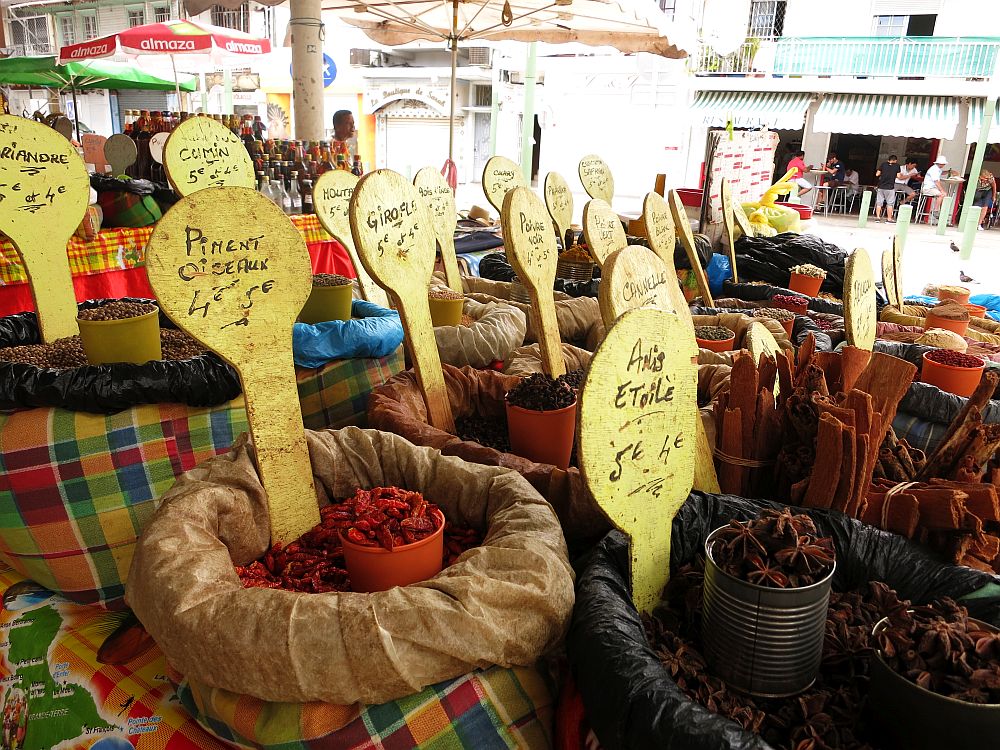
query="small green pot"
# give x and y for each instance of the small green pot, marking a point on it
(328, 303)
(135, 340)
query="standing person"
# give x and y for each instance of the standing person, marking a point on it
(906, 173)
(797, 162)
(343, 131)
(836, 174)
(933, 188)
(986, 195)
(887, 176)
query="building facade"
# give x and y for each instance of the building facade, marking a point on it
(862, 78)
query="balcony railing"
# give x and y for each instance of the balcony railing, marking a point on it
(858, 57)
(31, 50)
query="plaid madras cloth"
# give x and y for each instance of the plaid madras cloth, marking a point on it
(76, 489)
(336, 395)
(119, 249)
(76, 702)
(489, 709)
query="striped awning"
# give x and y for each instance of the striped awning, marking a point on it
(751, 109)
(976, 108)
(874, 114)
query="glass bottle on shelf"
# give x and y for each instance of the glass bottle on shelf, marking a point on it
(294, 195)
(278, 194)
(342, 162)
(357, 169)
(307, 197)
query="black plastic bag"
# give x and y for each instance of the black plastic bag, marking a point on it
(205, 380)
(762, 292)
(496, 268)
(930, 403)
(577, 288)
(631, 701)
(771, 259)
(103, 183)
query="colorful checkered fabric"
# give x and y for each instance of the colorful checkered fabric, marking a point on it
(119, 249)
(76, 489)
(336, 395)
(494, 708)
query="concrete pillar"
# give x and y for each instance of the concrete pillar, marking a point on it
(815, 144)
(307, 32)
(956, 151)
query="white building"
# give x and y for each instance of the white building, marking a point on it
(862, 78)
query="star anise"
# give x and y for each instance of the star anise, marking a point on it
(807, 555)
(739, 541)
(763, 573)
(987, 644)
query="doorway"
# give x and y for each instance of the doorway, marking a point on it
(481, 145)
(536, 149)
(858, 152)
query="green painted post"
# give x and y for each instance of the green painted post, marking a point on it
(946, 205)
(528, 125)
(903, 226)
(968, 209)
(866, 202)
(969, 234)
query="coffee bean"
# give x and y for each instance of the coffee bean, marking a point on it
(712, 333)
(330, 279)
(117, 310)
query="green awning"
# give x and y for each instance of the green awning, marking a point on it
(752, 109)
(875, 114)
(84, 76)
(976, 107)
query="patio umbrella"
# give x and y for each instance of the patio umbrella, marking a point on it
(178, 37)
(46, 72)
(626, 25)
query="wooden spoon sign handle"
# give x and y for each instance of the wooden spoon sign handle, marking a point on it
(394, 234)
(860, 314)
(559, 202)
(889, 278)
(531, 249)
(121, 153)
(236, 280)
(44, 191)
(662, 236)
(637, 434)
(597, 178)
(634, 277)
(332, 200)
(728, 226)
(602, 230)
(202, 153)
(687, 240)
(440, 199)
(500, 176)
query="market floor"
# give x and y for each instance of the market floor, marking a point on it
(927, 257)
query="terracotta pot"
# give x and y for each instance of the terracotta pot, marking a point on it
(808, 285)
(545, 437)
(717, 345)
(961, 298)
(135, 340)
(378, 569)
(976, 311)
(446, 312)
(933, 321)
(328, 303)
(962, 381)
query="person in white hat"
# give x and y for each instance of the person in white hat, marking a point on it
(933, 188)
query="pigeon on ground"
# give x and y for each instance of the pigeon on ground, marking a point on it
(954, 248)
(962, 277)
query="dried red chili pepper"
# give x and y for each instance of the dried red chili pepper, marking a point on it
(383, 516)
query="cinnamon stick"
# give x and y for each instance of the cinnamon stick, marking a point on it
(731, 443)
(843, 495)
(826, 470)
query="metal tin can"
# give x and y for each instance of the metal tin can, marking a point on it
(518, 293)
(762, 641)
(574, 270)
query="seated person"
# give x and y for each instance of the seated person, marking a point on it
(933, 188)
(907, 172)
(852, 181)
(836, 174)
(797, 162)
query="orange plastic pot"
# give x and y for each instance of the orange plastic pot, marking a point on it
(545, 437)
(717, 345)
(933, 321)
(807, 285)
(962, 381)
(960, 298)
(976, 311)
(378, 569)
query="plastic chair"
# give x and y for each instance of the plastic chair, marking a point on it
(823, 190)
